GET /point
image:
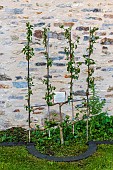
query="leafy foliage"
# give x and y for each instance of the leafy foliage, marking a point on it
(49, 93)
(29, 52)
(100, 124)
(96, 104)
(15, 134)
(72, 67)
(89, 62)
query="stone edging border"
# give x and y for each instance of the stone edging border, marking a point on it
(32, 150)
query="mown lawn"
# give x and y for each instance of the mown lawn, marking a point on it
(18, 158)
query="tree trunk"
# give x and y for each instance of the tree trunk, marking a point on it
(61, 135)
(47, 50)
(61, 130)
(73, 116)
(29, 136)
(49, 120)
(29, 104)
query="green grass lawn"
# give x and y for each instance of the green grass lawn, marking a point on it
(18, 158)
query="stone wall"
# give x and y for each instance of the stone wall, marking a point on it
(13, 67)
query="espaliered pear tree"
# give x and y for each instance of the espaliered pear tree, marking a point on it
(29, 52)
(49, 88)
(73, 68)
(89, 62)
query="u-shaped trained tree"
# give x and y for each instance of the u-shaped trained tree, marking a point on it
(72, 67)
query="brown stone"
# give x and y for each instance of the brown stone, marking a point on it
(25, 17)
(2, 112)
(99, 78)
(37, 112)
(67, 76)
(1, 7)
(110, 3)
(101, 33)
(66, 24)
(2, 86)
(38, 34)
(38, 13)
(70, 15)
(107, 41)
(109, 95)
(110, 89)
(110, 61)
(108, 16)
(105, 48)
(16, 110)
(39, 108)
(47, 4)
(97, 68)
(57, 24)
(100, 19)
